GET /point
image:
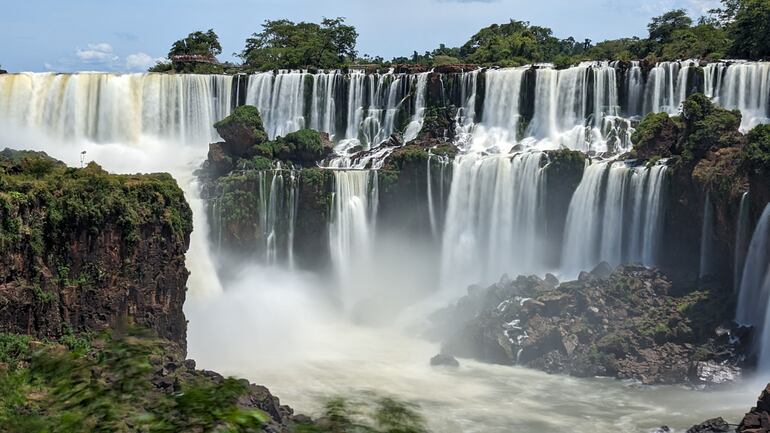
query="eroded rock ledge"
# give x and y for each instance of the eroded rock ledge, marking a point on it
(81, 247)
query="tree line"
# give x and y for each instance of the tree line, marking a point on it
(738, 29)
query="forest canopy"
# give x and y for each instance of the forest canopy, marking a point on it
(738, 29)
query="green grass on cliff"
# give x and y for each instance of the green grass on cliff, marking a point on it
(43, 202)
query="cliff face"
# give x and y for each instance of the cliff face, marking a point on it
(80, 248)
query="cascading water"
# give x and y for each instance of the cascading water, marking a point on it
(354, 216)
(706, 240)
(415, 125)
(109, 108)
(746, 86)
(493, 218)
(754, 292)
(741, 239)
(615, 216)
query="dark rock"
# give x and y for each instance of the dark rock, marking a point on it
(445, 360)
(625, 324)
(715, 425)
(758, 418)
(551, 280)
(602, 270)
(219, 161)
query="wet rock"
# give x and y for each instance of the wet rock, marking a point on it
(551, 280)
(444, 360)
(715, 425)
(625, 324)
(602, 270)
(219, 162)
(715, 373)
(758, 418)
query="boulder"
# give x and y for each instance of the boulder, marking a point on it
(714, 425)
(242, 130)
(758, 418)
(444, 360)
(219, 162)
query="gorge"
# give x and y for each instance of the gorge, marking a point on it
(320, 255)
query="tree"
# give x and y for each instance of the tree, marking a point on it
(283, 44)
(662, 28)
(197, 43)
(749, 28)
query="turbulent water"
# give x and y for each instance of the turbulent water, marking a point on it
(283, 329)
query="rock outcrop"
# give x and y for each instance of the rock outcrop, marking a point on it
(757, 420)
(80, 248)
(629, 324)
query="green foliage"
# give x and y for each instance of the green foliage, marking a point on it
(245, 115)
(197, 43)
(111, 390)
(708, 126)
(755, 158)
(13, 347)
(749, 28)
(44, 204)
(441, 60)
(517, 42)
(662, 28)
(283, 44)
(386, 415)
(304, 145)
(656, 135)
(702, 41)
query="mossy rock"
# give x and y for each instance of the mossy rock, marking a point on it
(242, 130)
(656, 137)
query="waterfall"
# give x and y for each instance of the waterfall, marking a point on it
(466, 113)
(433, 213)
(706, 240)
(615, 215)
(354, 214)
(634, 89)
(280, 100)
(415, 125)
(746, 86)
(110, 108)
(755, 287)
(494, 218)
(741, 238)
(499, 129)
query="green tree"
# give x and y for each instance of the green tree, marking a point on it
(197, 43)
(285, 44)
(662, 28)
(749, 28)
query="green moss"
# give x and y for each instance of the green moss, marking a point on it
(41, 208)
(244, 115)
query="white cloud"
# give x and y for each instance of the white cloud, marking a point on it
(100, 53)
(140, 61)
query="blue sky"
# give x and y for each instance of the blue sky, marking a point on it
(128, 35)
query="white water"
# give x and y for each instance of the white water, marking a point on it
(492, 221)
(754, 292)
(616, 215)
(741, 240)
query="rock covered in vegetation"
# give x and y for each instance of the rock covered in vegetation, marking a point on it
(246, 144)
(80, 248)
(242, 130)
(629, 324)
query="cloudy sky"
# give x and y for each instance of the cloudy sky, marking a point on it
(128, 35)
